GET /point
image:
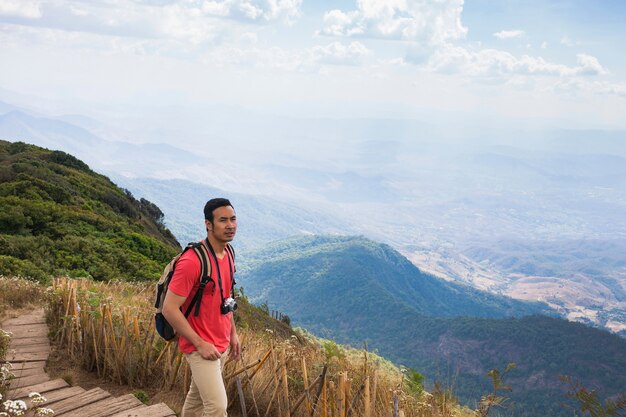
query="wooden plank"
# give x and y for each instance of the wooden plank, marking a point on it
(26, 357)
(35, 341)
(25, 319)
(27, 381)
(19, 373)
(19, 334)
(28, 365)
(81, 400)
(30, 327)
(107, 407)
(58, 395)
(156, 410)
(40, 388)
(32, 349)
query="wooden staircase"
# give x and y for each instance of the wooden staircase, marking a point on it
(28, 353)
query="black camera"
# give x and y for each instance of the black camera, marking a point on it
(228, 306)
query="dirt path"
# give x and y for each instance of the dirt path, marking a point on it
(28, 353)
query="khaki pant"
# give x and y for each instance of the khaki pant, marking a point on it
(207, 394)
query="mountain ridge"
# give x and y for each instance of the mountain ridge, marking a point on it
(324, 289)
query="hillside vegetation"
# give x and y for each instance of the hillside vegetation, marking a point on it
(354, 290)
(58, 217)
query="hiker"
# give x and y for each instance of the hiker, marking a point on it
(204, 338)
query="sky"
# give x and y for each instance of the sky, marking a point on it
(557, 63)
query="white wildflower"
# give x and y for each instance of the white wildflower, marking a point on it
(44, 412)
(37, 399)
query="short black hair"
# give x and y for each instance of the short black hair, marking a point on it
(212, 205)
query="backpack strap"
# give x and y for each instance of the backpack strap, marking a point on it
(231, 252)
(205, 278)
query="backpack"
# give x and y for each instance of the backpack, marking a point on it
(201, 249)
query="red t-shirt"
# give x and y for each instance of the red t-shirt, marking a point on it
(210, 324)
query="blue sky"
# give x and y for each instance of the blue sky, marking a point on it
(549, 63)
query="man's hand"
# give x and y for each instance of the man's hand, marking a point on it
(208, 351)
(235, 347)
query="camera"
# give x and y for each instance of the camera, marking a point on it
(228, 306)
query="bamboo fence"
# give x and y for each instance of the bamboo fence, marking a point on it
(117, 340)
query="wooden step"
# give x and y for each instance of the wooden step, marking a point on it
(81, 400)
(35, 341)
(20, 373)
(40, 388)
(27, 381)
(28, 365)
(107, 407)
(31, 348)
(26, 357)
(58, 394)
(156, 410)
(29, 334)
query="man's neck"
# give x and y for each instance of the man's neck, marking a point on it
(217, 245)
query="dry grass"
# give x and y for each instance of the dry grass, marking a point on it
(108, 329)
(18, 295)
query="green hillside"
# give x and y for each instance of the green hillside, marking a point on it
(58, 217)
(355, 290)
(353, 271)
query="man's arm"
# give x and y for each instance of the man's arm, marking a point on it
(176, 318)
(235, 347)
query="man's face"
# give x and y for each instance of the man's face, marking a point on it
(224, 225)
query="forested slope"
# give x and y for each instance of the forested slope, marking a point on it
(58, 217)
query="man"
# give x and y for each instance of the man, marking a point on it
(205, 338)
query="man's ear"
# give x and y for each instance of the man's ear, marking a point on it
(208, 225)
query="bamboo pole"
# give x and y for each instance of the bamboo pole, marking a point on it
(366, 398)
(321, 389)
(304, 395)
(242, 400)
(341, 393)
(179, 361)
(242, 370)
(95, 346)
(249, 381)
(324, 400)
(354, 400)
(285, 385)
(305, 377)
(347, 394)
(374, 393)
(275, 376)
(331, 391)
(269, 405)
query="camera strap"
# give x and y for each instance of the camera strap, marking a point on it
(217, 266)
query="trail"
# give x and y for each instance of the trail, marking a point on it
(28, 353)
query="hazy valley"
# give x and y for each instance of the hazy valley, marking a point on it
(533, 215)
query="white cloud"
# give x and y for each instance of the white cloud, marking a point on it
(306, 60)
(254, 10)
(589, 65)
(509, 34)
(595, 87)
(414, 20)
(191, 21)
(21, 8)
(544, 45)
(337, 53)
(497, 63)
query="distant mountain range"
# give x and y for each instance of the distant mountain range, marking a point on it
(538, 218)
(355, 290)
(262, 219)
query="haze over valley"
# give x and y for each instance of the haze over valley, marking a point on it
(533, 214)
